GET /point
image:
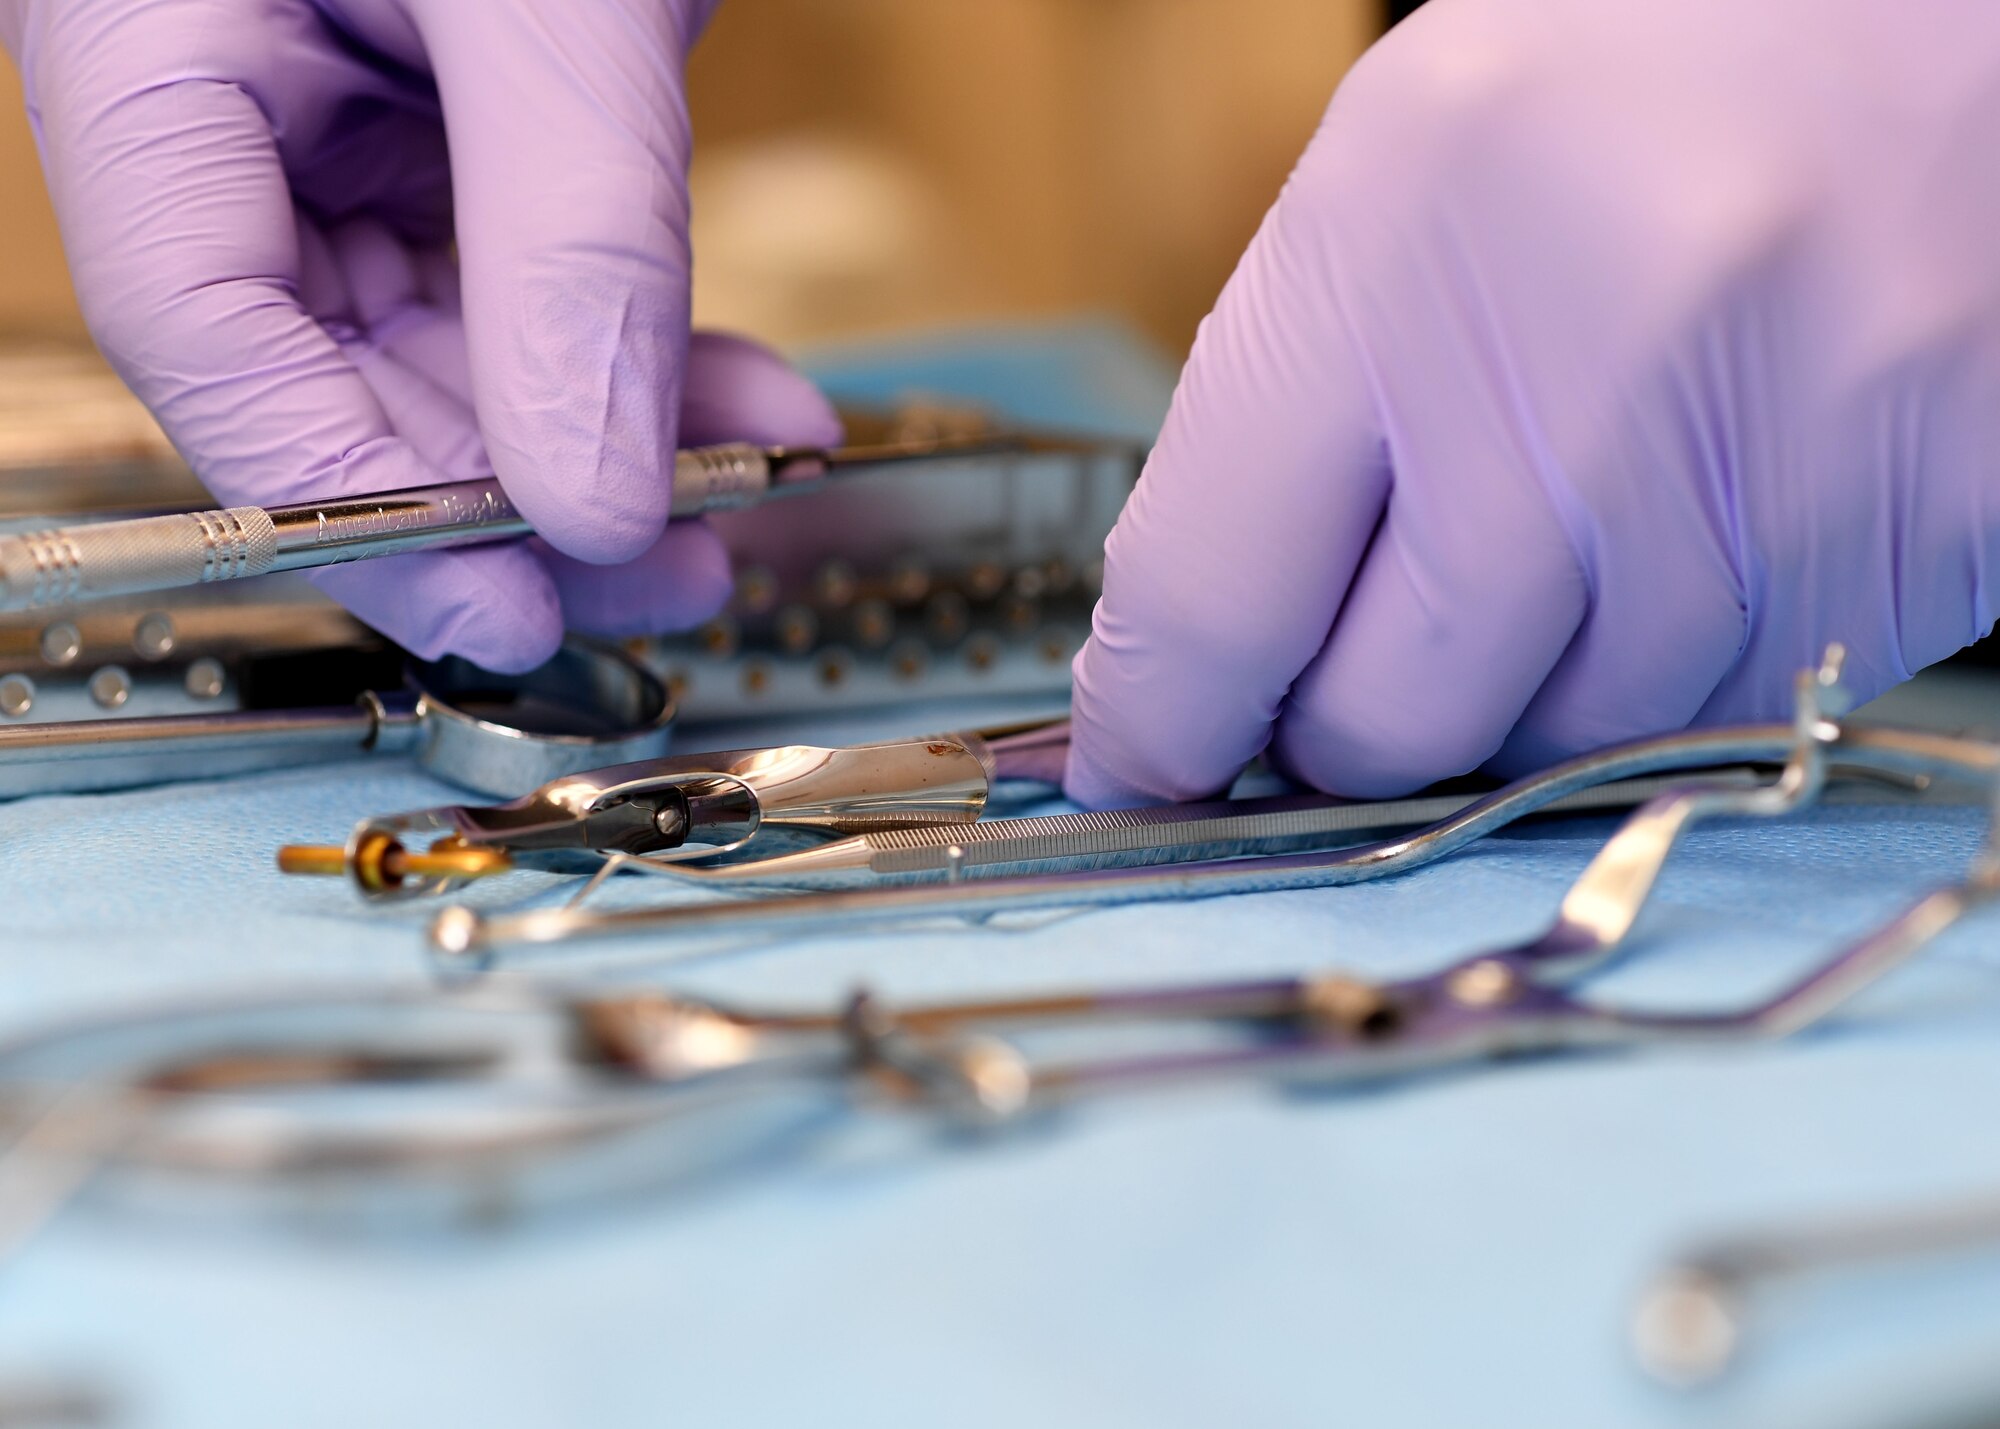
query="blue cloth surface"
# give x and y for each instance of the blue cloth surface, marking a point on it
(1462, 1249)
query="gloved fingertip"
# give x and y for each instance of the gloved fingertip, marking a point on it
(703, 578)
(496, 606)
(519, 641)
(1088, 783)
(738, 390)
(1117, 761)
(578, 396)
(682, 580)
(1139, 734)
(615, 523)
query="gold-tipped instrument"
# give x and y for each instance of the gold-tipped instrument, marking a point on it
(381, 861)
(693, 805)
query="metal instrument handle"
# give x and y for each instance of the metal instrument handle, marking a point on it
(329, 533)
(460, 933)
(72, 563)
(1221, 829)
(84, 755)
(42, 569)
(119, 753)
(50, 568)
(721, 478)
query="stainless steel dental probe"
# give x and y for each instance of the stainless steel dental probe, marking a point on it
(40, 569)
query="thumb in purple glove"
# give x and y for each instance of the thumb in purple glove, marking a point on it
(195, 147)
(1600, 362)
(396, 319)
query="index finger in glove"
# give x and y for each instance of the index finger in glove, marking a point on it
(1231, 559)
(570, 139)
(184, 243)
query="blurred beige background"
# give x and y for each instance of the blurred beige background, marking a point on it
(870, 165)
(34, 285)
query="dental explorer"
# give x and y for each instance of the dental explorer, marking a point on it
(74, 563)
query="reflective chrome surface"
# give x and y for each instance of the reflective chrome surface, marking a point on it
(471, 936)
(701, 805)
(510, 1075)
(324, 533)
(1127, 838)
(494, 734)
(59, 566)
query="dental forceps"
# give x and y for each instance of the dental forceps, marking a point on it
(551, 1072)
(464, 938)
(494, 734)
(652, 812)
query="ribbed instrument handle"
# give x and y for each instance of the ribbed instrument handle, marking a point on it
(56, 567)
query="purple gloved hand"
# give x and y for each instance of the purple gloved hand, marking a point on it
(257, 202)
(1601, 361)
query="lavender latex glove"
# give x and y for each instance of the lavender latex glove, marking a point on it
(1601, 360)
(258, 205)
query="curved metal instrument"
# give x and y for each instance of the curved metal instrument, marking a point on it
(550, 1073)
(468, 938)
